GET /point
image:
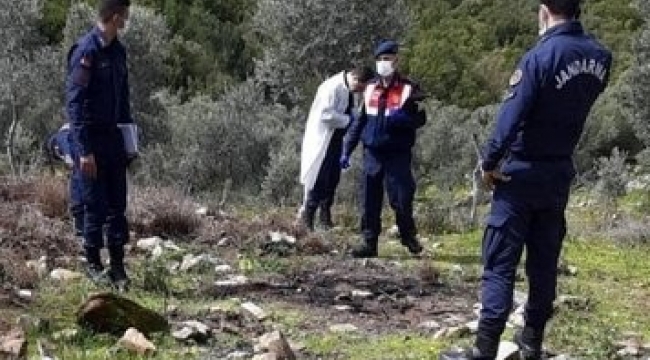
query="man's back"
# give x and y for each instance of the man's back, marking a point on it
(570, 69)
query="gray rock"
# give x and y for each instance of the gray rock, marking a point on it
(13, 345)
(361, 294)
(225, 241)
(64, 275)
(472, 326)
(149, 244)
(429, 325)
(223, 269)
(508, 351)
(254, 310)
(184, 334)
(194, 331)
(233, 281)
(274, 342)
(343, 328)
(278, 237)
(202, 211)
(108, 312)
(190, 261)
(136, 342)
(238, 355)
(452, 332)
(25, 294)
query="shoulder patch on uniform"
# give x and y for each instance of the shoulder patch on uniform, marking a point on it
(515, 78)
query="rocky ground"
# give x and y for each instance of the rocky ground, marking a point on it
(214, 283)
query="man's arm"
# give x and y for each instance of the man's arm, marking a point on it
(354, 133)
(524, 87)
(331, 115)
(78, 79)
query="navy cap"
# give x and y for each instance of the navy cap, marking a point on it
(386, 47)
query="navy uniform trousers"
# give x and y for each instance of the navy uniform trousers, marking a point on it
(392, 169)
(104, 197)
(527, 212)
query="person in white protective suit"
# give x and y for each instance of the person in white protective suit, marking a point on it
(331, 113)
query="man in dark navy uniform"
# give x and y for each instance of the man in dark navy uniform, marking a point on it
(97, 99)
(387, 127)
(528, 163)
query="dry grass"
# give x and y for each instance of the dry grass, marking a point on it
(161, 211)
(51, 194)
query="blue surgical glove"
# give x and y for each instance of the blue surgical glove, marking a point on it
(344, 162)
(398, 116)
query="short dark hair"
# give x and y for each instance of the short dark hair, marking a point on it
(107, 8)
(363, 73)
(568, 8)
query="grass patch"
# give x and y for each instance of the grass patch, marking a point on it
(361, 347)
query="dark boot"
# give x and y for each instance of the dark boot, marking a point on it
(368, 249)
(529, 341)
(471, 353)
(94, 268)
(325, 216)
(413, 245)
(117, 273)
(308, 217)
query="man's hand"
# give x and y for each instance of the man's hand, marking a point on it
(490, 178)
(88, 166)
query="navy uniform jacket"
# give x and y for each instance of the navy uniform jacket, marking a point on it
(373, 127)
(551, 94)
(97, 91)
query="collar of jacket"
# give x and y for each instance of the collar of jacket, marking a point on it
(98, 37)
(569, 27)
(345, 79)
(394, 81)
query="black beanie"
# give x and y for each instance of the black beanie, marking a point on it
(108, 8)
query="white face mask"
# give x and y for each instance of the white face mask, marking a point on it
(385, 68)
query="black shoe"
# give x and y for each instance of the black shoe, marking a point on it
(116, 273)
(118, 278)
(96, 274)
(471, 353)
(413, 245)
(530, 344)
(364, 251)
(308, 218)
(325, 217)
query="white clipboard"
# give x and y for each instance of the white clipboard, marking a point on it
(130, 136)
